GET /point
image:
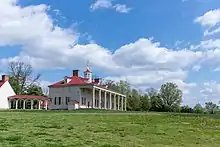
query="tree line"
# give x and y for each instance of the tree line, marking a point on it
(167, 99)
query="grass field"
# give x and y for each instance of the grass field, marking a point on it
(71, 129)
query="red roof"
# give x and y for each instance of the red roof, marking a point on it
(28, 97)
(2, 83)
(74, 80)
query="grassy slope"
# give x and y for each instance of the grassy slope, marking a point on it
(58, 129)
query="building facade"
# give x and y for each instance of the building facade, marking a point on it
(76, 92)
(5, 91)
(9, 99)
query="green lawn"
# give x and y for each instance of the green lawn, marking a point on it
(69, 129)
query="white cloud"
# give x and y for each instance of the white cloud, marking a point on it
(211, 21)
(196, 67)
(144, 63)
(102, 4)
(121, 8)
(108, 4)
(210, 18)
(211, 91)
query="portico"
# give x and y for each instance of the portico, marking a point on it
(28, 102)
(103, 98)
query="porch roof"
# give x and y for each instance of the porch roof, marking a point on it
(28, 97)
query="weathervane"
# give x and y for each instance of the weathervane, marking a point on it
(87, 63)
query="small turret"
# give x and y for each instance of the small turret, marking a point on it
(88, 74)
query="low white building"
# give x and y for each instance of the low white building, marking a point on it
(76, 92)
(5, 91)
(9, 100)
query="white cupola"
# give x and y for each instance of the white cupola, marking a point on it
(88, 74)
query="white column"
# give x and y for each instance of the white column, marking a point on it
(105, 102)
(46, 107)
(16, 104)
(39, 103)
(125, 103)
(23, 104)
(118, 102)
(110, 100)
(114, 101)
(93, 97)
(31, 104)
(122, 103)
(9, 104)
(100, 102)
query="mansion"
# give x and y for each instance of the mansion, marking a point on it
(72, 92)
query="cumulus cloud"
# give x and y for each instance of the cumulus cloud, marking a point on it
(144, 62)
(108, 4)
(211, 91)
(211, 21)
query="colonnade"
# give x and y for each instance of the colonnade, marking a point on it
(114, 101)
(26, 104)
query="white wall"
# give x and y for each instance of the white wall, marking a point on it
(76, 93)
(87, 93)
(5, 91)
(71, 91)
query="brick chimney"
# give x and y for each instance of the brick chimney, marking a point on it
(76, 73)
(97, 80)
(5, 78)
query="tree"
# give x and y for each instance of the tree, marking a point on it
(20, 77)
(35, 90)
(198, 109)
(133, 101)
(186, 109)
(152, 95)
(170, 97)
(145, 103)
(211, 108)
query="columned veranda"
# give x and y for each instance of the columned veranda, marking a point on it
(18, 102)
(108, 99)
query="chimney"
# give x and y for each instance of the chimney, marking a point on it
(5, 78)
(97, 80)
(76, 73)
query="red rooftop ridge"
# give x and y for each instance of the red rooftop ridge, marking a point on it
(28, 97)
(76, 80)
(2, 83)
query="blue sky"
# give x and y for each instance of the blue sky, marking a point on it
(146, 42)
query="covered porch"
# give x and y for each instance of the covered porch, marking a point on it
(99, 97)
(28, 102)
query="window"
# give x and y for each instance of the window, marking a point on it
(83, 101)
(59, 101)
(67, 100)
(55, 100)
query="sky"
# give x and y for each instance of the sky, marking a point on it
(146, 42)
